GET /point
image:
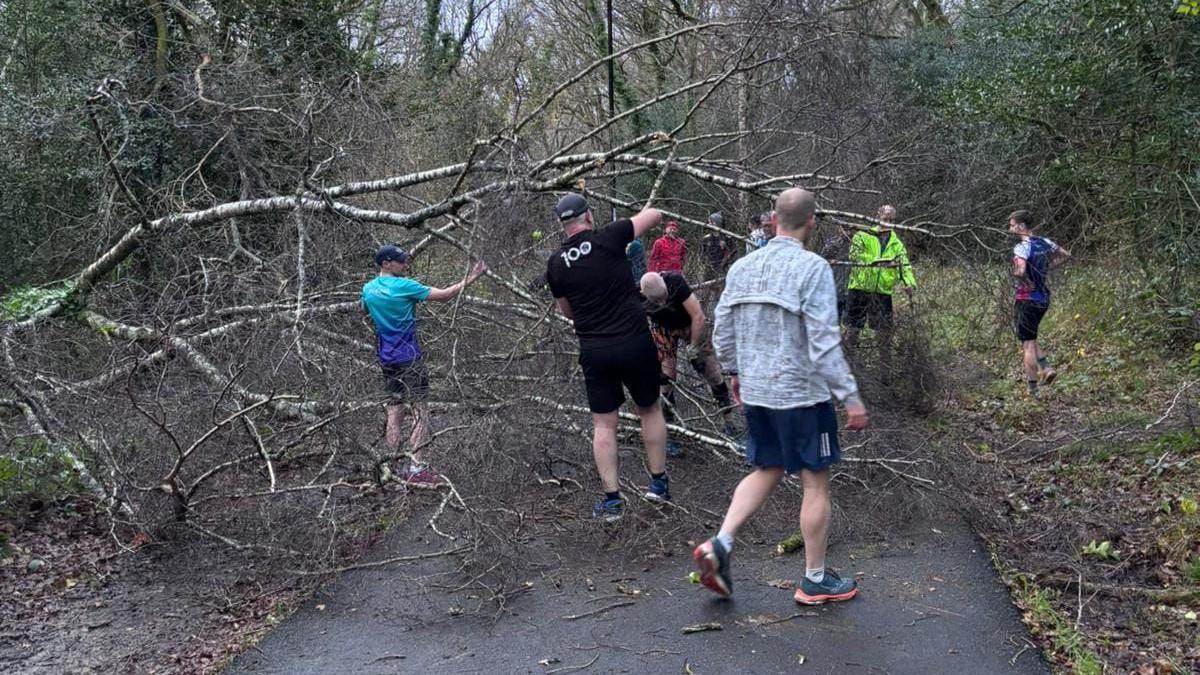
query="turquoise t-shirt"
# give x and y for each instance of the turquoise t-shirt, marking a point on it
(392, 303)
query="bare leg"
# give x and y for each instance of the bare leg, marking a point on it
(749, 496)
(419, 437)
(604, 448)
(709, 369)
(815, 512)
(395, 419)
(1030, 348)
(654, 435)
(669, 371)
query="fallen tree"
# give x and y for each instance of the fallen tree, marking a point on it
(233, 393)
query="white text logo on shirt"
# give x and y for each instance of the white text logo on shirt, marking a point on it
(572, 254)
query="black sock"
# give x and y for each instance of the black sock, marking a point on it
(612, 495)
(1043, 363)
(659, 476)
(1032, 384)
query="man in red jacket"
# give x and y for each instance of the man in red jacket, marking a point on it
(669, 251)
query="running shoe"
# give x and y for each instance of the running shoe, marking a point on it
(1046, 376)
(830, 589)
(659, 490)
(713, 560)
(674, 449)
(423, 477)
(608, 510)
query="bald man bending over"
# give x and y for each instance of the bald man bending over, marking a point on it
(777, 335)
(677, 316)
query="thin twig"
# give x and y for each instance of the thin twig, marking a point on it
(572, 617)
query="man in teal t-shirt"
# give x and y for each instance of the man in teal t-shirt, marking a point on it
(391, 300)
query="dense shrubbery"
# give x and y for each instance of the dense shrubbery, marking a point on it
(1085, 111)
(34, 474)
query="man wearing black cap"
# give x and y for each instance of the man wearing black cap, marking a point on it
(391, 299)
(592, 282)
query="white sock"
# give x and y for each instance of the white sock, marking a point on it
(816, 576)
(726, 540)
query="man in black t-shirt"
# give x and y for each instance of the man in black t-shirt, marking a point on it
(676, 314)
(592, 283)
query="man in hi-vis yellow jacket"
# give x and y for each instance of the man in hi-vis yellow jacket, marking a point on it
(880, 260)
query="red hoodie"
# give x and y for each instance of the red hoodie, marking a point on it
(667, 255)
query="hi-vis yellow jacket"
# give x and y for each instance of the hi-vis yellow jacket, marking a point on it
(865, 251)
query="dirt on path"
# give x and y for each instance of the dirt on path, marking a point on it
(930, 603)
(72, 601)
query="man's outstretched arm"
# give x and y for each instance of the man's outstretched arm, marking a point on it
(645, 220)
(451, 292)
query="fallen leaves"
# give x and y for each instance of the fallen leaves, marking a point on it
(701, 627)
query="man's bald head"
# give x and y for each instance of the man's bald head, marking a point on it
(794, 209)
(654, 288)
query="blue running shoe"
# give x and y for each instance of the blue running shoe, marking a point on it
(830, 589)
(673, 449)
(608, 510)
(659, 490)
(713, 560)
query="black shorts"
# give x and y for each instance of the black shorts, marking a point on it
(633, 363)
(1027, 316)
(865, 308)
(406, 382)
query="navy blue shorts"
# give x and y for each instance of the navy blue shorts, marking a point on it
(793, 438)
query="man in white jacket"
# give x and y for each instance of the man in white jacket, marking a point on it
(776, 334)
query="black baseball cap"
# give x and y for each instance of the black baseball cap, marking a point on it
(572, 204)
(390, 252)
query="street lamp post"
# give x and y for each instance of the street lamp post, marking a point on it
(612, 104)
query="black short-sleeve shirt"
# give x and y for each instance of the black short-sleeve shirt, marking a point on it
(592, 272)
(673, 314)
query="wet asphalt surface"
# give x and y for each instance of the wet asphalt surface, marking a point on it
(930, 602)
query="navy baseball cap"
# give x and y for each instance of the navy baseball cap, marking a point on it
(390, 252)
(572, 204)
